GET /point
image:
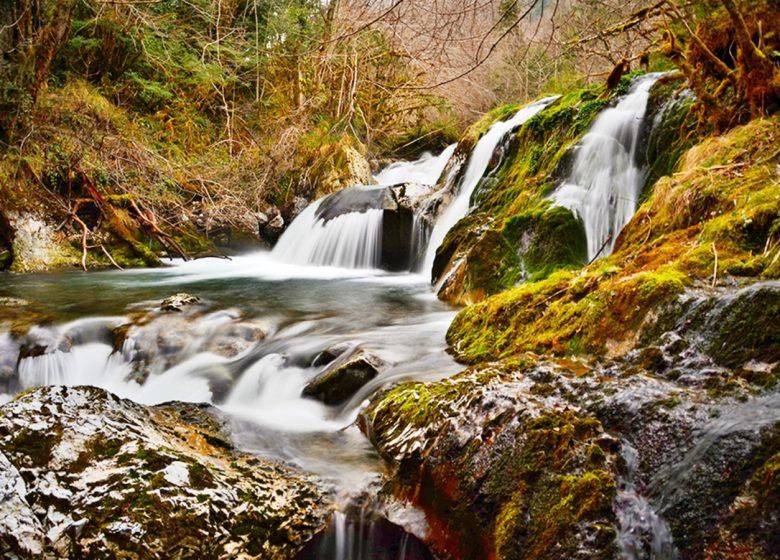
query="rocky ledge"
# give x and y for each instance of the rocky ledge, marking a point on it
(564, 458)
(86, 474)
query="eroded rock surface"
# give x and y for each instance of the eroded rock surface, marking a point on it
(664, 452)
(86, 474)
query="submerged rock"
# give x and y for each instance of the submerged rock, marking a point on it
(86, 474)
(343, 378)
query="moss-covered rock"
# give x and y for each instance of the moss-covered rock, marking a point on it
(485, 253)
(340, 165)
(500, 470)
(91, 475)
(712, 220)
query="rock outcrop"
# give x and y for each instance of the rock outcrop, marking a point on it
(86, 474)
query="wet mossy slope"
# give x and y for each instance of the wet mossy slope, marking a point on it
(513, 233)
(714, 223)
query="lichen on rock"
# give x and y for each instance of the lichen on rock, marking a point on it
(85, 473)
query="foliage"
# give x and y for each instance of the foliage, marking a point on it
(728, 51)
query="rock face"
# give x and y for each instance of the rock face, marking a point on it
(343, 377)
(37, 246)
(85, 474)
(501, 469)
(560, 459)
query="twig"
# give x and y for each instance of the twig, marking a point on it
(110, 258)
(715, 267)
(603, 245)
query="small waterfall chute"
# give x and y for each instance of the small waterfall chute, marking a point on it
(424, 171)
(605, 181)
(350, 240)
(475, 169)
(345, 229)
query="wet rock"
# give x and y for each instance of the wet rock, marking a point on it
(501, 470)
(732, 327)
(343, 378)
(178, 302)
(328, 355)
(155, 342)
(270, 226)
(91, 475)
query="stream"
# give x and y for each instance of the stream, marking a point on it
(250, 345)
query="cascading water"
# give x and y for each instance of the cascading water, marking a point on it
(642, 534)
(605, 181)
(477, 165)
(353, 239)
(424, 171)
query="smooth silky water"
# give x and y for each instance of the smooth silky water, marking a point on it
(316, 289)
(303, 308)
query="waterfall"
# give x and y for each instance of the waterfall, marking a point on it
(477, 165)
(605, 181)
(424, 171)
(642, 533)
(353, 239)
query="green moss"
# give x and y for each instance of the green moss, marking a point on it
(725, 196)
(549, 238)
(513, 196)
(34, 449)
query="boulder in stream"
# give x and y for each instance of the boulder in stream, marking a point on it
(343, 378)
(178, 302)
(86, 474)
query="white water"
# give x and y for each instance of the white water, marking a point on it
(605, 182)
(353, 240)
(477, 165)
(424, 171)
(642, 533)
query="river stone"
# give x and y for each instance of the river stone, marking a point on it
(328, 355)
(343, 378)
(178, 302)
(86, 474)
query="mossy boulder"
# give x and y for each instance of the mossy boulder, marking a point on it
(340, 165)
(550, 238)
(87, 474)
(501, 471)
(481, 254)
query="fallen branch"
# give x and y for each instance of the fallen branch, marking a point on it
(603, 246)
(151, 223)
(715, 267)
